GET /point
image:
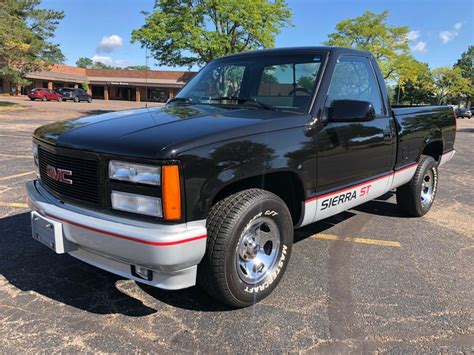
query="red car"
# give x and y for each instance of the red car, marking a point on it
(44, 95)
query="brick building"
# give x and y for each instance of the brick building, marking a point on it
(116, 84)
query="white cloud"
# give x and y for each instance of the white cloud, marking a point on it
(102, 59)
(413, 35)
(448, 36)
(109, 43)
(419, 47)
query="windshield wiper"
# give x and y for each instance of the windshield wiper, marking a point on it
(243, 100)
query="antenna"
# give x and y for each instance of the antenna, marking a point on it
(146, 76)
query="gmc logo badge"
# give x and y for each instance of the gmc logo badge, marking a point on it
(60, 175)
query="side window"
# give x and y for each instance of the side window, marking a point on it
(354, 79)
(288, 86)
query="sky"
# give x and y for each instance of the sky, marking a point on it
(440, 30)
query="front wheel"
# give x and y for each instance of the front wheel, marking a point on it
(416, 197)
(249, 246)
(76, 99)
(89, 100)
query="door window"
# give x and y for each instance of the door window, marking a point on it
(354, 79)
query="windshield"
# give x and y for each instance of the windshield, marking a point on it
(270, 82)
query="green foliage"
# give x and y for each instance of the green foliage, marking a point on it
(388, 44)
(87, 63)
(466, 64)
(449, 84)
(84, 62)
(85, 85)
(418, 90)
(188, 32)
(25, 33)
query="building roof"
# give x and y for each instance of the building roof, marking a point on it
(61, 72)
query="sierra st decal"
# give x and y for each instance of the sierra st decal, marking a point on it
(344, 197)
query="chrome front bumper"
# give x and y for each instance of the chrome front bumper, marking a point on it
(115, 244)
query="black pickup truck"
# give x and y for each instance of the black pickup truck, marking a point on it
(209, 188)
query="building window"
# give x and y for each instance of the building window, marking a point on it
(97, 91)
(157, 94)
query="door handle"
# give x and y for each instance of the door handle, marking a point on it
(387, 135)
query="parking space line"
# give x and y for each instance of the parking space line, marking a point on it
(16, 156)
(15, 136)
(13, 204)
(386, 243)
(15, 176)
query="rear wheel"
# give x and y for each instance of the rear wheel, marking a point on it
(32, 99)
(44, 98)
(417, 196)
(89, 100)
(249, 246)
(76, 99)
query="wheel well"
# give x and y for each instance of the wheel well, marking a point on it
(286, 185)
(434, 149)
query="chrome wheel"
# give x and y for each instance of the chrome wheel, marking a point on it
(427, 188)
(257, 250)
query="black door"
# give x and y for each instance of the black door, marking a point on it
(349, 152)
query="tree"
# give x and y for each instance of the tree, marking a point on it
(87, 63)
(418, 90)
(466, 65)
(449, 85)
(388, 44)
(84, 62)
(85, 85)
(25, 33)
(189, 32)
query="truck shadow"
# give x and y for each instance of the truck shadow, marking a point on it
(30, 266)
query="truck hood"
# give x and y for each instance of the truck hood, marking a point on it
(161, 132)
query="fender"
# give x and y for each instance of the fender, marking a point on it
(432, 137)
(211, 169)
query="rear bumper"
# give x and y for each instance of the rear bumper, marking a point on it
(113, 243)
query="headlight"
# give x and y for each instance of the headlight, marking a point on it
(35, 158)
(147, 205)
(137, 173)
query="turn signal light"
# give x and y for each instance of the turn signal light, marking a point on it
(171, 192)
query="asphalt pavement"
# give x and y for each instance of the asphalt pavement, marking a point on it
(366, 280)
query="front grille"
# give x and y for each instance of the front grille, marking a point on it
(85, 177)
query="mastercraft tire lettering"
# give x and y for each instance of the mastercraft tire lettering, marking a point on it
(249, 246)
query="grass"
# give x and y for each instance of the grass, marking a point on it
(6, 106)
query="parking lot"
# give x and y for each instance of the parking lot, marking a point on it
(367, 280)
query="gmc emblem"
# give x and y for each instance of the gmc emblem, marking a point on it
(59, 174)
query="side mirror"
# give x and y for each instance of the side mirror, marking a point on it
(351, 111)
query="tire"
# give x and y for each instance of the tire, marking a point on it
(417, 196)
(230, 271)
(76, 99)
(32, 99)
(44, 98)
(60, 99)
(89, 100)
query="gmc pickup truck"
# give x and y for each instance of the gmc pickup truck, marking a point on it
(209, 188)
